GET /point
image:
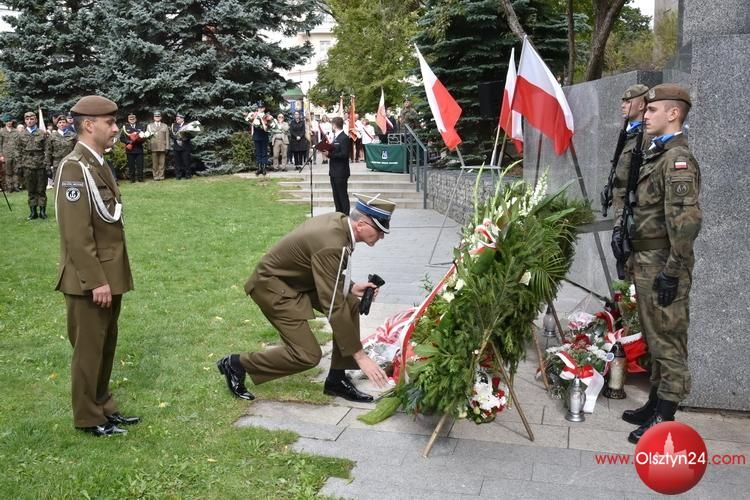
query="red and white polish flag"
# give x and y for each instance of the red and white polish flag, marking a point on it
(444, 107)
(540, 99)
(511, 121)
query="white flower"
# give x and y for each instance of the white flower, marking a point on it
(459, 284)
(448, 296)
(526, 278)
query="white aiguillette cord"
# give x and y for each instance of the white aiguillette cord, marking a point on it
(347, 279)
(94, 198)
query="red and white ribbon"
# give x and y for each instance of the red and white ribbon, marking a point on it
(588, 375)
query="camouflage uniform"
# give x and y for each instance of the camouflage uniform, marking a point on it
(30, 154)
(8, 142)
(58, 147)
(667, 221)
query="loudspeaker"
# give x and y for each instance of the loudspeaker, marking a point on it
(490, 98)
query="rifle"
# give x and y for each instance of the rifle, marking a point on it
(6, 198)
(606, 195)
(627, 222)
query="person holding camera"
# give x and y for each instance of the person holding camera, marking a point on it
(309, 270)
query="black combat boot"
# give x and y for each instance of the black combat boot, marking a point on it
(33, 215)
(640, 415)
(665, 411)
(42, 212)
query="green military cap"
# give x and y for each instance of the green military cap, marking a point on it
(94, 105)
(58, 118)
(157, 113)
(634, 91)
(377, 208)
(28, 114)
(669, 92)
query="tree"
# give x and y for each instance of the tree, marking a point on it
(373, 41)
(467, 43)
(208, 59)
(49, 59)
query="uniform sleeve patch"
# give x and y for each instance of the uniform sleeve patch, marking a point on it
(72, 194)
(71, 184)
(680, 165)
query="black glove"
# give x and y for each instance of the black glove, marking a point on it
(617, 242)
(666, 288)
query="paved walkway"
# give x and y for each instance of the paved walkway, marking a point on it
(492, 460)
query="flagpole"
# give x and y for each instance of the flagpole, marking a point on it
(494, 148)
(597, 239)
(539, 157)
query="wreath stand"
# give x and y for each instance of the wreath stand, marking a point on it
(514, 399)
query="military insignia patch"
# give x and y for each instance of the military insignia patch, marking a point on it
(71, 184)
(680, 165)
(681, 188)
(72, 194)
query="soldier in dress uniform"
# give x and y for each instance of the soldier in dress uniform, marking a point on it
(309, 270)
(182, 147)
(8, 144)
(158, 132)
(94, 270)
(132, 136)
(667, 221)
(59, 144)
(30, 156)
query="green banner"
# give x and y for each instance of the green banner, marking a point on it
(386, 157)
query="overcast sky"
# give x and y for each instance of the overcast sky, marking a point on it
(646, 6)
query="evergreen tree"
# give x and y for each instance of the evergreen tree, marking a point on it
(208, 59)
(467, 43)
(50, 58)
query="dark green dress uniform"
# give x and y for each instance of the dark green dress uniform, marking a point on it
(297, 276)
(30, 154)
(92, 254)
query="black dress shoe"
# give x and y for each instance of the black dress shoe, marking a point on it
(345, 389)
(108, 429)
(118, 419)
(235, 379)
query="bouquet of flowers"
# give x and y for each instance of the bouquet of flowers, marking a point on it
(488, 398)
(625, 298)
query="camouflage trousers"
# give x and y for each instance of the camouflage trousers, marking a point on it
(665, 329)
(36, 184)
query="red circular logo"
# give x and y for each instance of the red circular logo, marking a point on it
(671, 458)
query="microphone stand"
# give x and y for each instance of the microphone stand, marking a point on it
(301, 169)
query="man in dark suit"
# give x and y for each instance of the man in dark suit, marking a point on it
(94, 270)
(308, 270)
(338, 166)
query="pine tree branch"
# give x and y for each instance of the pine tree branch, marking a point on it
(513, 22)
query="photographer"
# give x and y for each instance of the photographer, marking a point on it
(305, 272)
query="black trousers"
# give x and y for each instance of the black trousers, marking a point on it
(182, 164)
(340, 186)
(135, 166)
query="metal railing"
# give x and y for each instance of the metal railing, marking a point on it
(416, 161)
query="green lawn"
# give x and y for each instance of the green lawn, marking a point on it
(192, 245)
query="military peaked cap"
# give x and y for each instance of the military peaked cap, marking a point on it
(28, 114)
(157, 113)
(94, 105)
(669, 92)
(377, 208)
(634, 91)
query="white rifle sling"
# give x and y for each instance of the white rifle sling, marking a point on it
(345, 290)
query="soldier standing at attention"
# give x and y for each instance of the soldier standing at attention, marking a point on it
(159, 139)
(8, 144)
(132, 136)
(667, 221)
(94, 270)
(303, 273)
(30, 154)
(182, 148)
(59, 144)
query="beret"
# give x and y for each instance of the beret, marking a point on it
(634, 91)
(94, 105)
(28, 114)
(669, 92)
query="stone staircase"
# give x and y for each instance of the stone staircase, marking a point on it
(395, 187)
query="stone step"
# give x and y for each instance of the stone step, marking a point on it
(389, 194)
(327, 201)
(368, 185)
